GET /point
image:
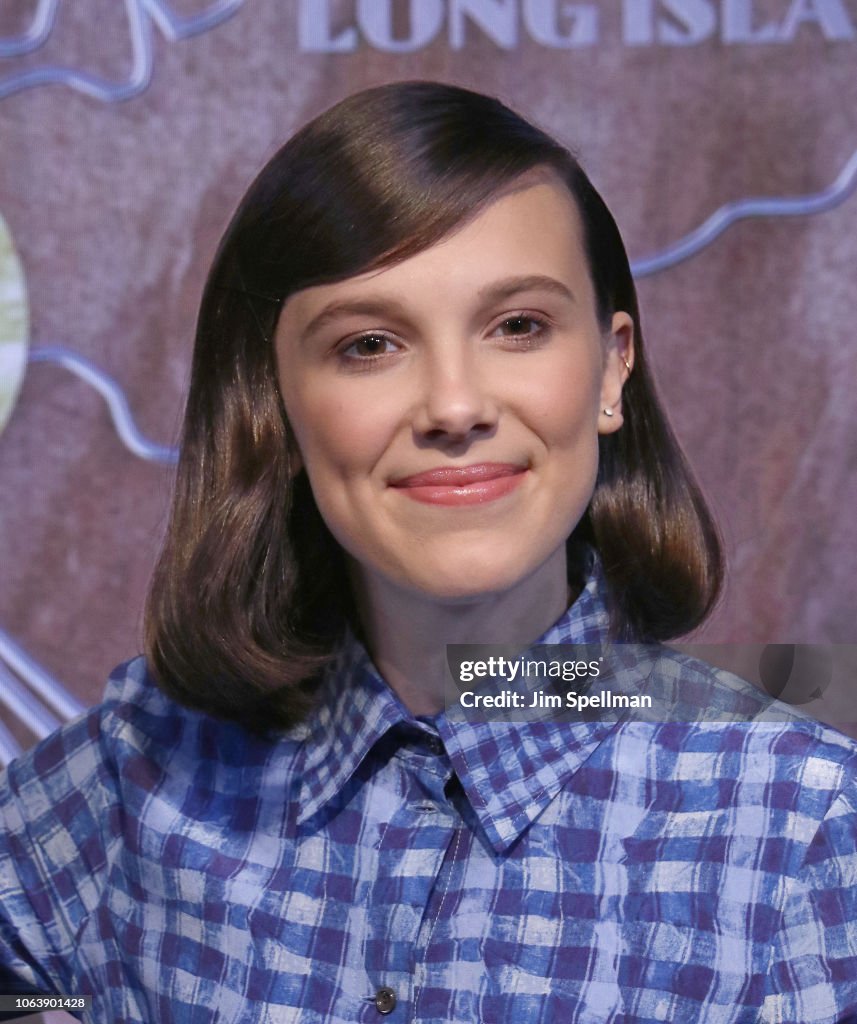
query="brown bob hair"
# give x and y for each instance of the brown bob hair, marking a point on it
(250, 595)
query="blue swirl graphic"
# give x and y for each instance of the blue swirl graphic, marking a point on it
(142, 14)
(36, 35)
(120, 412)
(742, 209)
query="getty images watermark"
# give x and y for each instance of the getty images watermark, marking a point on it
(690, 682)
(545, 670)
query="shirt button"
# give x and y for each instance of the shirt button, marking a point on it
(435, 745)
(385, 1000)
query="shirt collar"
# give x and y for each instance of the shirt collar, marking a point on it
(510, 770)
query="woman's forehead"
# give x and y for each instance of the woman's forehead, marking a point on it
(529, 230)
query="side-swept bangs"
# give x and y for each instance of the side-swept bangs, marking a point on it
(250, 595)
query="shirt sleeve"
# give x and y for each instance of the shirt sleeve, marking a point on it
(813, 972)
(54, 805)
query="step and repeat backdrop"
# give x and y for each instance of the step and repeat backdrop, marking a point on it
(723, 134)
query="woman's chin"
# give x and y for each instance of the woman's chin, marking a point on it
(469, 581)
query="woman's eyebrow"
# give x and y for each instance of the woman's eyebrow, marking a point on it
(350, 307)
(379, 306)
(509, 286)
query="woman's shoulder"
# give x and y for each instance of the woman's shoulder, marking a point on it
(709, 700)
(74, 756)
(725, 742)
(135, 741)
(132, 711)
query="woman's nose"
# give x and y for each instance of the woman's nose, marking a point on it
(456, 399)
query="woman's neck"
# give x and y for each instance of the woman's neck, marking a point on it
(407, 633)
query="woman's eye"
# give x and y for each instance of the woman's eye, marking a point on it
(521, 326)
(369, 346)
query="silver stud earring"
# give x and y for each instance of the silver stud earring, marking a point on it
(607, 412)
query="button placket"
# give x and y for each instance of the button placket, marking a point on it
(395, 911)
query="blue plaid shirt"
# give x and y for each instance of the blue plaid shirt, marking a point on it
(370, 866)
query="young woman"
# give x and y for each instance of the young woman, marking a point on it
(420, 415)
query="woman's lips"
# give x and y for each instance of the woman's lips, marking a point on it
(462, 485)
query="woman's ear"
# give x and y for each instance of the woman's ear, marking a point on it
(618, 364)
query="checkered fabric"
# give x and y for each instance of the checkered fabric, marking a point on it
(370, 865)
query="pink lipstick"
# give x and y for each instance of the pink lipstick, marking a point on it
(462, 485)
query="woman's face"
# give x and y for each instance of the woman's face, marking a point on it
(447, 409)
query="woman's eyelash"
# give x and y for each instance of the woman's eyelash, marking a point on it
(536, 325)
(374, 342)
(374, 345)
(522, 318)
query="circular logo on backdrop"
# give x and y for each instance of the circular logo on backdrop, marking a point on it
(796, 673)
(14, 324)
